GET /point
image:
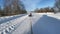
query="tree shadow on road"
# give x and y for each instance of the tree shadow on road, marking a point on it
(46, 25)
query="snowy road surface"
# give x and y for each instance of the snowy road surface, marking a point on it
(41, 24)
(25, 26)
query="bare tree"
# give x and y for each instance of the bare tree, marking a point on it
(57, 5)
(13, 7)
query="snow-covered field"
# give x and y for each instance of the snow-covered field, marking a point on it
(42, 23)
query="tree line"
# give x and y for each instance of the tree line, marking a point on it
(55, 8)
(44, 10)
(12, 7)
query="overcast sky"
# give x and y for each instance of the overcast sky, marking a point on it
(31, 5)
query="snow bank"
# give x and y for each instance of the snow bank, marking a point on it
(57, 16)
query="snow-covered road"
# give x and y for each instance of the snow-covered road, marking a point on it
(42, 23)
(25, 26)
(47, 25)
